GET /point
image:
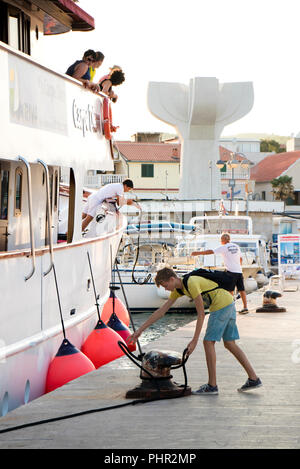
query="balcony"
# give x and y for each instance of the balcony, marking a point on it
(240, 173)
(95, 181)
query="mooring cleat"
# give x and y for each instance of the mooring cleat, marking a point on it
(156, 378)
(269, 303)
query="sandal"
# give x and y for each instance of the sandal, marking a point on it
(244, 311)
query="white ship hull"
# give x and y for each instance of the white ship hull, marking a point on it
(33, 329)
(51, 126)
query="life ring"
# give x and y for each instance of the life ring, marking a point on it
(107, 118)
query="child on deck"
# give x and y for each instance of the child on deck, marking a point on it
(114, 78)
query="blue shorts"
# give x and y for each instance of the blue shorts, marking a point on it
(222, 325)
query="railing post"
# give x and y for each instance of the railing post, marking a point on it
(32, 243)
(49, 216)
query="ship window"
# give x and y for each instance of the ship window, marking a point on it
(4, 195)
(51, 191)
(18, 192)
(3, 22)
(14, 27)
(13, 31)
(55, 190)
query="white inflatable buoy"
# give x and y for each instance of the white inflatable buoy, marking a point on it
(250, 284)
(261, 279)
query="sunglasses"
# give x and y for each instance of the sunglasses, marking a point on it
(89, 59)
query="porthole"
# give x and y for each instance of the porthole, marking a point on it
(27, 392)
(4, 404)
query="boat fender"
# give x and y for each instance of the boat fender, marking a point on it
(115, 305)
(261, 279)
(102, 346)
(116, 325)
(250, 284)
(68, 364)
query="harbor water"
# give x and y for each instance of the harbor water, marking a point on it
(170, 322)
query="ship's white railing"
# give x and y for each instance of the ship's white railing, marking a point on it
(98, 180)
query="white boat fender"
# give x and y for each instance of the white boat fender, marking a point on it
(250, 284)
(261, 279)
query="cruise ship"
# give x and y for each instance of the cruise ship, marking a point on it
(50, 125)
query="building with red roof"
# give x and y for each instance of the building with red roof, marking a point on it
(272, 167)
(155, 167)
(153, 163)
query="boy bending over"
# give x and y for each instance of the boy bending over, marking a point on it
(221, 324)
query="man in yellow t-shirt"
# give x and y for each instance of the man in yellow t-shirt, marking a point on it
(221, 324)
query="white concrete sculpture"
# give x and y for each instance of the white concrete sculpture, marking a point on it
(199, 113)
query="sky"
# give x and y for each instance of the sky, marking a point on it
(176, 40)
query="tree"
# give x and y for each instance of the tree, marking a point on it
(270, 146)
(283, 188)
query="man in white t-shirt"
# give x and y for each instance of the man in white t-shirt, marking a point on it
(110, 191)
(231, 254)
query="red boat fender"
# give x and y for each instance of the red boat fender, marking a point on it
(101, 346)
(68, 364)
(115, 305)
(123, 331)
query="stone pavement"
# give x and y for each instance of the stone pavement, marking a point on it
(268, 417)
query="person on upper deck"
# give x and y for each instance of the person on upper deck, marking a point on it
(232, 256)
(111, 70)
(114, 78)
(81, 71)
(99, 57)
(109, 191)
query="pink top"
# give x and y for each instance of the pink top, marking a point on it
(105, 77)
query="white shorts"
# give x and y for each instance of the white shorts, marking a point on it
(91, 205)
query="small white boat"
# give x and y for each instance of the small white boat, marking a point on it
(142, 294)
(207, 234)
(203, 233)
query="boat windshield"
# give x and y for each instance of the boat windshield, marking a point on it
(247, 247)
(185, 248)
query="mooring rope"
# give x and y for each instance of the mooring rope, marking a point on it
(103, 409)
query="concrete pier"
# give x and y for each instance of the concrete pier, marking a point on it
(268, 417)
